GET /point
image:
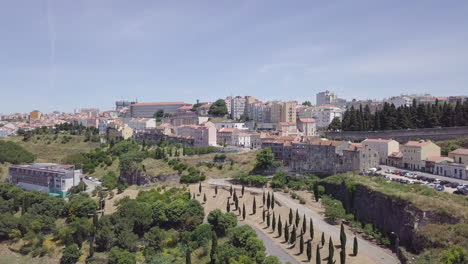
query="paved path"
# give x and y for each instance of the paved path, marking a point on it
(374, 252)
(272, 249)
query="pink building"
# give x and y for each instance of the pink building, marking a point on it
(203, 135)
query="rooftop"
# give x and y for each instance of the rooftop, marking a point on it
(418, 143)
(160, 103)
(459, 151)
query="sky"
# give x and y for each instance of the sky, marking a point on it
(66, 54)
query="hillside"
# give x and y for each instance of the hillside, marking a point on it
(53, 148)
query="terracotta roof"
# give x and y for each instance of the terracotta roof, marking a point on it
(160, 103)
(436, 158)
(460, 151)
(286, 123)
(185, 107)
(417, 143)
(226, 130)
(327, 143)
(377, 140)
(205, 106)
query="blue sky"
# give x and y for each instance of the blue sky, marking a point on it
(65, 54)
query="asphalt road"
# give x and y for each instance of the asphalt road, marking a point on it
(272, 249)
(376, 253)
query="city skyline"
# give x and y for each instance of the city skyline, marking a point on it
(65, 55)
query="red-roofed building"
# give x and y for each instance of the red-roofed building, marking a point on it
(415, 152)
(383, 146)
(149, 109)
(459, 155)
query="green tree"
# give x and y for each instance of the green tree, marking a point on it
(298, 218)
(304, 224)
(243, 211)
(290, 215)
(272, 200)
(286, 232)
(263, 198)
(265, 159)
(216, 190)
(311, 229)
(154, 238)
(263, 215)
(228, 206)
(293, 235)
(318, 258)
(355, 247)
(268, 200)
(121, 256)
(254, 206)
(335, 124)
(221, 222)
(242, 190)
(204, 198)
(214, 249)
(301, 244)
(218, 108)
(331, 250)
(70, 255)
(280, 226)
(343, 256)
(454, 255)
(323, 239)
(309, 250)
(268, 219)
(342, 236)
(199, 187)
(273, 222)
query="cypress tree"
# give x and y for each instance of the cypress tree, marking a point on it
(254, 206)
(204, 197)
(331, 250)
(290, 215)
(216, 190)
(309, 250)
(280, 226)
(228, 206)
(243, 211)
(318, 259)
(343, 256)
(268, 200)
(188, 257)
(311, 229)
(235, 196)
(304, 224)
(230, 191)
(292, 236)
(355, 247)
(263, 198)
(316, 192)
(236, 203)
(301, 244)
(286, 232)
(268, 219)
(199, 188)
(272, 200)
(342, 236)
(273, 222)
(214, 249)
(323, 239)
(297, 217)
(263, 215)
(242, 190)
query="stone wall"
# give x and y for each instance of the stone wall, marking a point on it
(403, 136)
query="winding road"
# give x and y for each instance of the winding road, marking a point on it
(377, 254)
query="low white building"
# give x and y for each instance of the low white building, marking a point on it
(323, 114)
(140, 123)
(236, 125)
(451, 169)
(51, 178)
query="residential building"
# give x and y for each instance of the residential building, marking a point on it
(395, 159)
(51, 178)
(35, 116)
(283, 112)
(307, 126)
(203, 135)
(459, 155)
(399, 101)
(451, 169)
(325, 114)
(325, 98)
(228, 101)
(430, 163)
(229, 124)
(259, 112)
(140, 123)
(202, 110)
(414, 152)
(147, 110)
(242, 139)
(384, 147)
(123, 104)
(224, 136)
(238, 109)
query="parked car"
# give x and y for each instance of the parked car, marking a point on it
(454, 185)
(440, 188)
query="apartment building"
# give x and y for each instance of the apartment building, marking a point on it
(259, 112)
(384, 147)
(227, 124)
(283, 112)
(414, 152)
(203, 135)
(147, 110)
(238, 107)
(35, 115)
(224, 136)
(307, 126)
(140, 123)
(51, 178)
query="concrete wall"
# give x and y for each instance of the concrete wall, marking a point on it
(403, 136)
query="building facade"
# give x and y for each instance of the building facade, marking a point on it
(414, 152)
(147, 110)
(384, 147)
(49, 178)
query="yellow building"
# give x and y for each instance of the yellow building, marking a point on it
(283, 112)
(415, 152)
(35, 115)
(459, 156)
